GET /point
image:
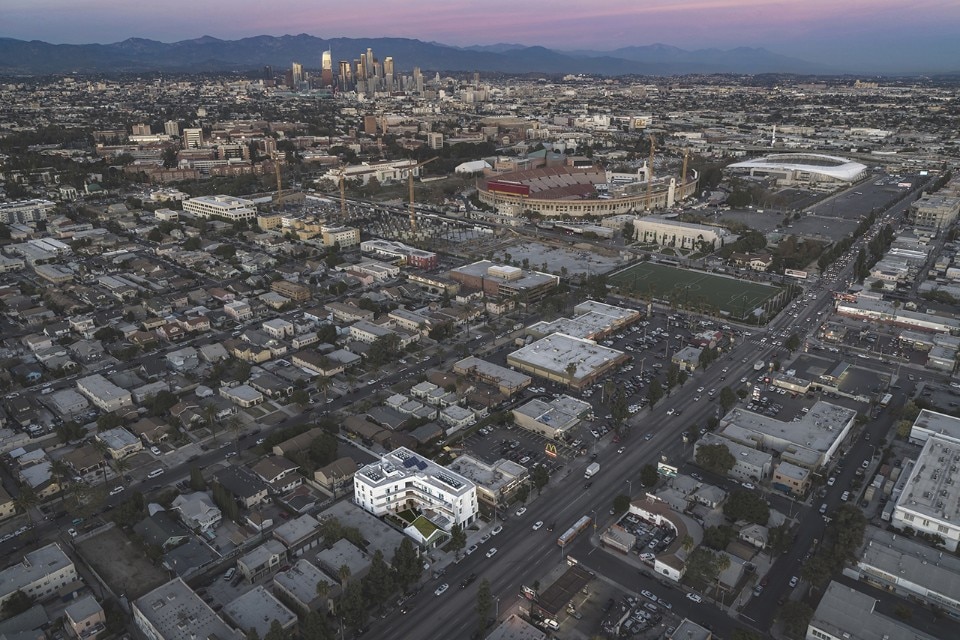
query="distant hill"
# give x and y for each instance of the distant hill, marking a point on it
(19, 57)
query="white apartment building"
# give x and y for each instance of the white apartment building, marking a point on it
(22, 211)
(39, 575)
(403, 479)
(103, 393)
(224, 207)
(238, 310)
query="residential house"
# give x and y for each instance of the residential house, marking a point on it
(279, 473)
(262, 560)
(162, 530)
(246, 487)
(197, 510)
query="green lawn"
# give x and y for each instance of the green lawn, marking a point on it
(710, 293)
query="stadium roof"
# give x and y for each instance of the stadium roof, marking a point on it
(830, 166)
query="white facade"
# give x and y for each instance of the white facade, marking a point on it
(225, 207)
(684, 235)
(930, 501)
(402, 480)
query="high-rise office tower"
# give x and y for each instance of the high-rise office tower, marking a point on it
(476, 79)
(326, 69)
(171, 128)
(296, 71)
(363, 71)
(370, 62)
(388, 73)
(418, 79)
(346, 78)
(267, 72)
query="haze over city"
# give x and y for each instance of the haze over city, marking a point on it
(858, 36)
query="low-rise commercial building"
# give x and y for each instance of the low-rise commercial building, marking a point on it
(911, 569)
(174, 612)
(845, 613)
(930, 501)
(553, 418)
(568, 360)
(503, 282)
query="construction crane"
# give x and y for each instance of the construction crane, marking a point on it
(413, 210)
(653, 143)
(683, 172)
(343, 195)
(276, 168)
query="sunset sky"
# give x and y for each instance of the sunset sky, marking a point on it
(869, 34)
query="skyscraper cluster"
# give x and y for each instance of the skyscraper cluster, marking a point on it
(366, 74)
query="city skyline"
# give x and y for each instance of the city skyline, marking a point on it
(862, 35)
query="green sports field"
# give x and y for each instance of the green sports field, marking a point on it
(693, 290)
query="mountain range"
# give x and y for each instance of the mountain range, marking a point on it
(136, 55)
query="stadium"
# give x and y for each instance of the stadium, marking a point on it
(578, 191)
(791, 169)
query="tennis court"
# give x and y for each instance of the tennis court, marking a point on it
(694, 290)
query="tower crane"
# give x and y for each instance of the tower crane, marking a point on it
(413, 210)
(343, 195)
(653, 143)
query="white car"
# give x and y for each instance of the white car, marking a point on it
(72, 532)
(845, 496)
(470, 549)
(492, 552)
(156, 451)
(497, 529)
(694, 597)
(670, 412)
(831, 481)
(521, 511)
(537, 525)
(116, 490)
(793, 581)
(441, 589)
(748, 485)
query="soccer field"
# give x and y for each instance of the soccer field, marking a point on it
(693, 289)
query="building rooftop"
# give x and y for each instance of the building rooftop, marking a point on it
(293, 531)
(378, 535)
(931, 422)
(819, 430)
(911, 561)
(301, 580)
(257, 609)
(178, 613)
(554, 353)
(507, 377)
(932, 489)
(34, 566)
(846, 613)
(492, 477)
(403, 462)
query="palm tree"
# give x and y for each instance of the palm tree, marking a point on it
(210, 415)
(121, 466)
(60, 472)
(27, 500)
(323, 386)
(103, 449)
(235, 425)
(344, 575)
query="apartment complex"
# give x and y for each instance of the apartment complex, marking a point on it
(402, 480)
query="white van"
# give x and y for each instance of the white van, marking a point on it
(155, 473)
